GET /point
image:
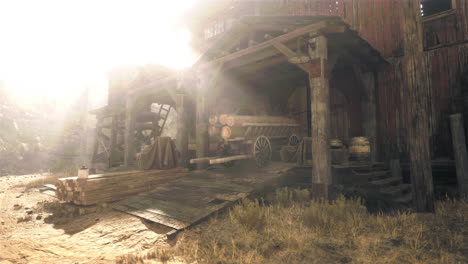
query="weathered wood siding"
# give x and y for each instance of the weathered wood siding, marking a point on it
(379, 22)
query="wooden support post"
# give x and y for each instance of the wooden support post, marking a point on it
(182, 137)
(417, 97)
(96, 142)
(369, 110)
(202, 122)
(320, 97)
(129, 148)
(113, 141)
(461, 157)
(395, 168)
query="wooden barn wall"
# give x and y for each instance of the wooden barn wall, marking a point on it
(379, 22)
(447, 67)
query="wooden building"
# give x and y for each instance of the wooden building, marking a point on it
(392, 71)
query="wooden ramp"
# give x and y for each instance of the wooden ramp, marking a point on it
(186, 201)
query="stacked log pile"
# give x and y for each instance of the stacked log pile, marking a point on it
(234, 126)
(102, 188)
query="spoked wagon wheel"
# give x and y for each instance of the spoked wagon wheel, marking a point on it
(262, 151)
(293, 140)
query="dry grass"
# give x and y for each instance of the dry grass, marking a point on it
(296, 230)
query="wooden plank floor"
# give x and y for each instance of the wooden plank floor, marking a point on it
(186, 201)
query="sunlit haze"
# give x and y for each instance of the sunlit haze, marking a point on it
(54, 48)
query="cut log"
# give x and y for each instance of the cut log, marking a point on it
(222, 119)
(213, 120)
(228, 159)
(253, 130)
(214, 131)
(237, 120)
(201, 160)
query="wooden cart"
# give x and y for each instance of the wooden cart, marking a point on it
(255, 141)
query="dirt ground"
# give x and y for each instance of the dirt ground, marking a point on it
(30, 234)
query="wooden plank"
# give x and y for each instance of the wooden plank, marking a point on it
(212, 184)
(177, 211)
(157, 218)
(125, 174)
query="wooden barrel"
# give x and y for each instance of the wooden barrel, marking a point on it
(359, 149)
(336, 144)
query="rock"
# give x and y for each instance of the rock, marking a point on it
(24, 219)
(29, 212)
(39, 217)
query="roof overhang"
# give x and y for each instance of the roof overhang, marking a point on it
(342, 41)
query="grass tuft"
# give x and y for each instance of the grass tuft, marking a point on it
(296, 229)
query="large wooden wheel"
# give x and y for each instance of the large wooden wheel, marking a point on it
(294, 140)
(262, 151)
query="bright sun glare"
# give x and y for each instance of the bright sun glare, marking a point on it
(53, 48)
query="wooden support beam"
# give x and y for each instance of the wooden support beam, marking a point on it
(228, 159)
(206, 79)
(395, 168)
(96, 143)
(267, 44)
(289, 54)
(320, 105)
(130, 117)
(459, 151)
(369, 108)
(182, 137)
(113, 141)
(417, 95)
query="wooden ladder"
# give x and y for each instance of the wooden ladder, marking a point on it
(164, 111)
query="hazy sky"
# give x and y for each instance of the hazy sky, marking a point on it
(53, 48)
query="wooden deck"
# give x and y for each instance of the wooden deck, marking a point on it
(186, 201)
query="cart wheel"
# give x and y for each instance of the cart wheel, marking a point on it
(262, 151)
(294, 140)
(224, 149)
